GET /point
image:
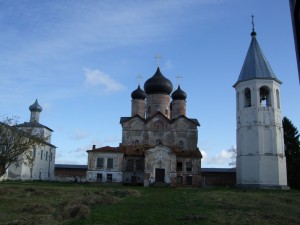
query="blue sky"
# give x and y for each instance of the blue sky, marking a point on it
(80, 59)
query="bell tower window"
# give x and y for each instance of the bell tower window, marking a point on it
(247, 97)
(278, 99)
(264, 96)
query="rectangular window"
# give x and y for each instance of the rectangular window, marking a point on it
(42, 152)
(46, 155)
(130, 165)
(189, 180)
(179, 166)
(34, 153)
(179, 180)
(99, 163)
(99, 177)
(109, 177)
(110, 163)
(139, 166)
(189, 166)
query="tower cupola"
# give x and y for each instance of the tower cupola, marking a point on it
(158, 84)
(138, 94)
(179, 94)
(138, 102)
(178, 103)
(35, 110)
(158, 89)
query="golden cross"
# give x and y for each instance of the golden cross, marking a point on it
(158, 57)
(178, 77)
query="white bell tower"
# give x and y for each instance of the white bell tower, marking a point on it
(261, 160)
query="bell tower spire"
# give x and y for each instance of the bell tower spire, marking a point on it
(261, 161)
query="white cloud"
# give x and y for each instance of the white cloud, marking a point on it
(98, 78)
(79, 134)
(222, 158)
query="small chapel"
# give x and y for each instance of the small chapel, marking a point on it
(159, 141)
(43, 164)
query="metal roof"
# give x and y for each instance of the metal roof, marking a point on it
(256, 65)
(33, 124)
(71, 166)
(218, 170)
(35, 107)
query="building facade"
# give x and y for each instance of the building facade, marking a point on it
(43, 164)
(261, 159)
(159, 142)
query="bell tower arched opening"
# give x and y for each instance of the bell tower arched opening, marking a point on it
(247, 97)
(264, 96)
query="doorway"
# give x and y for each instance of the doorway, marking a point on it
(160, 175)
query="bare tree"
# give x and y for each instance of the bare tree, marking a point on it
(233, 152)
(17, 143)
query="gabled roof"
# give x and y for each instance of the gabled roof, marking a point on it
(194, 121)
(33, 124)
(26, 134)
(125, 119)
(107, 149)
(255, 65)
(140, 150)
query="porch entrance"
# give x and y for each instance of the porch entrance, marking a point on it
(160, 175)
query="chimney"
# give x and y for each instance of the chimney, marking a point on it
(94, 147)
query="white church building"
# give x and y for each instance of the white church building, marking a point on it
(261, 161)
(43, 164)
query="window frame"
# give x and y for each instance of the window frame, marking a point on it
(189, 166)
(110, 163)
(98, 162)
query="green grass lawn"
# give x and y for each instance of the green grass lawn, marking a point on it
(42, 203)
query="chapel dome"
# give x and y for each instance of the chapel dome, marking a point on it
(35, 107)
(138, 94)
(179, 94)
(158, 84)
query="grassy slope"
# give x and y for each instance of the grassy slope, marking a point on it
(53, 203)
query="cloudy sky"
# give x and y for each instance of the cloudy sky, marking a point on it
(80, 59)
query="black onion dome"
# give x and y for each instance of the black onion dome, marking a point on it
(138, 94)
(179, 94)
(158, 84)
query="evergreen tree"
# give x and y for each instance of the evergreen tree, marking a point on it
(292, 152)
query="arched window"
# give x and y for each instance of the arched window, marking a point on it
(278, 99)
(158, 141)
(264, 96)
(238, 101)
(137, 142)
(180, 144)
(247, 97)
